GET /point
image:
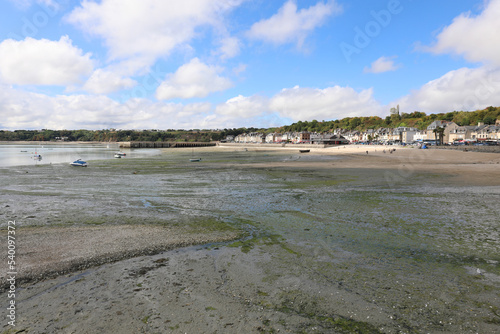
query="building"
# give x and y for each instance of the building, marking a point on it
(328, 139)
(305, 137)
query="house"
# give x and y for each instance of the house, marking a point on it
(420, 135)
(305, 137)
(257, 137)
(328, 139)
(271, 138)
(228, 139)
(465, 133)
(368, 135)
(408, 135)
(433, 126)
(383, 134)
(352, 136)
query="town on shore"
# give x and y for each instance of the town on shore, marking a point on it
(479, 127)
(439, 132)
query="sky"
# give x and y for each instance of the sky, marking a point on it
(215, 64)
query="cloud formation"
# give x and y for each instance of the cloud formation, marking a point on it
(290, 25)
(194, 79)
(243, 107)
(464, 89)
(105, 82)
(381, 65)
(474, 37)
(43, 62)
(330, 103)
(147, 29)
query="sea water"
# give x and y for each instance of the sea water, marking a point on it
(27, 154)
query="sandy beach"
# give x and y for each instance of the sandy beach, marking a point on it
(258, 240)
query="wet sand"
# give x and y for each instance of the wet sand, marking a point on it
(281, 279)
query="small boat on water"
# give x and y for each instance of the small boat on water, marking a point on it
(195, 159)
(79, 163)
(37, 157)
(304, 151)
(121, 154)
(118, 156)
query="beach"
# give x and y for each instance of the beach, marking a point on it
(354, 239)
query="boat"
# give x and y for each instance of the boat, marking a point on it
(121, 154)
(193, 159)
(118, 156)
(37, 157)
(79, 163)
(304, 151)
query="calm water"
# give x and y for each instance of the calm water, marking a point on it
(23, 155)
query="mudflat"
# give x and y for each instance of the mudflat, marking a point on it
(336, 240)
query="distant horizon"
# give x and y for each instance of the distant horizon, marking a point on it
(215, 64)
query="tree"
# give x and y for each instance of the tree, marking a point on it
(439, 135)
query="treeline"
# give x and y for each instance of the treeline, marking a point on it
(121, 135)
(415, 119)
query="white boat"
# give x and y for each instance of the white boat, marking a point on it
(118, 156)
(121, 154)
(37, 157)
(79, 163)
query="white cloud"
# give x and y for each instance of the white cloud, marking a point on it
(104, 82)
(243, 107)
(329, 103)
(43, 62)
(474, 37)
(381, 65)
(194, 79)
(290, 25)
(147, 29)
(26, 110)
(229, 47)
(462, 89)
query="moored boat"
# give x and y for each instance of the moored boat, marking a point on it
(79, 163)
(304, 151)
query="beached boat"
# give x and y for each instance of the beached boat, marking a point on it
(79, 163)
(304, 151)
(195, 159)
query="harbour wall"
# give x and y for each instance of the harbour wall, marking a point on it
(164, 144)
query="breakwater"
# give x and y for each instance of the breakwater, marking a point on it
(164, 144)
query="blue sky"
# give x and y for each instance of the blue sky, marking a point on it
(162, 64)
